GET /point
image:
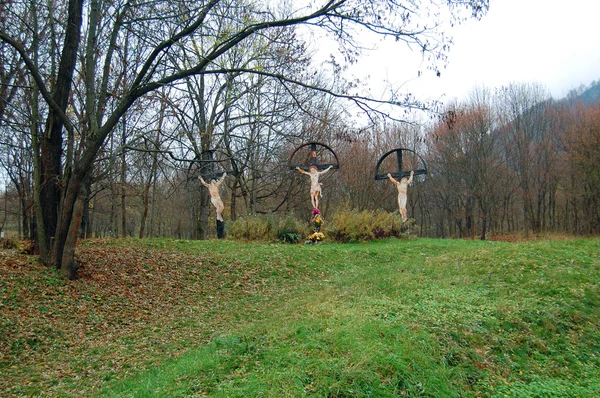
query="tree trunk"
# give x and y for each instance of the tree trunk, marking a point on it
(206, 154)
(123, 181)
(69, 264)
(483, 228)
(145, 202)
(24, 232)
(233, 199)
(204, 200)
(204, 210)
(50, 170)
(86, 219)
(152, 209)
(114, 223)
(59, 240)
(49, 188)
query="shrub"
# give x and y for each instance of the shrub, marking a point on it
(268, 228)
(343, 226)
(291, 230)
(7, 243)
(22, 246)
(354, 226)
(259, 228)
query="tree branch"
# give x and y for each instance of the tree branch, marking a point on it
(39, 81)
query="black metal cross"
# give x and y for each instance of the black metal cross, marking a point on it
(214, 175)
(313, 158)
(401, 172)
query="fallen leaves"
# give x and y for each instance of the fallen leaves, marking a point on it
(132, 307)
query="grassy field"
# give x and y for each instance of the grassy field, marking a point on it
(422, 317)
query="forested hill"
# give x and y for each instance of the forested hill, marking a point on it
(588, 96)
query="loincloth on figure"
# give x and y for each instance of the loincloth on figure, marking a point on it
(316, 189)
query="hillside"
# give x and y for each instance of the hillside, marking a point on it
(421, 317)
(587, 95)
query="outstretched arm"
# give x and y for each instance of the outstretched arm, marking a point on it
(392, 179)
(326, 170)
(222, 178)
(412, 173)
(301, 171)
(203, 182)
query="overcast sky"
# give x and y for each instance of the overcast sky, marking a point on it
(551, 42)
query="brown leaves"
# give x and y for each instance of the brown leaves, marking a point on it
(131, 307)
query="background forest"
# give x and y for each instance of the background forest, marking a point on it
(503, 160)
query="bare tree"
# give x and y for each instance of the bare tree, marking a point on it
(525, 123)
(486, 162)
(61, 188)
(581, 143)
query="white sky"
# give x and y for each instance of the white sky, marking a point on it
(552, 42)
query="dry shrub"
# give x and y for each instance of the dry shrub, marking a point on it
(343, 226)
(7, 243)
(26, 247)
(254, 228)
(22, 246)
(268, 228)
(355, 226)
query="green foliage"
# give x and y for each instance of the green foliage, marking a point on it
(291, 230)
(354, 226)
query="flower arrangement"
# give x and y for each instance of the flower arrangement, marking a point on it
(316, 236)
(317, 222)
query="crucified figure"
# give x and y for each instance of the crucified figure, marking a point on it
(315, 185)
(215, 197)
(402, 188)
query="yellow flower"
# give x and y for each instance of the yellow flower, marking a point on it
(316, 236)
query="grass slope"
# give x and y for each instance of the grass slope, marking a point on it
(410, 318)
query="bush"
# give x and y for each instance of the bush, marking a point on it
(256, 228)
(354, 226)
(343, 226)
(7, 243)
(268, 228)
(23, 246)
(291, 230)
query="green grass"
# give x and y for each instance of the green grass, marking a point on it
(417, 318)
(424, 317)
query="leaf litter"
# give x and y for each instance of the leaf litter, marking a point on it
(131, 308)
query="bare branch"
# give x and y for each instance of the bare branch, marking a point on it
(39, 81)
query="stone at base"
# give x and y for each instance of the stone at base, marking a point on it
(220, 229)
